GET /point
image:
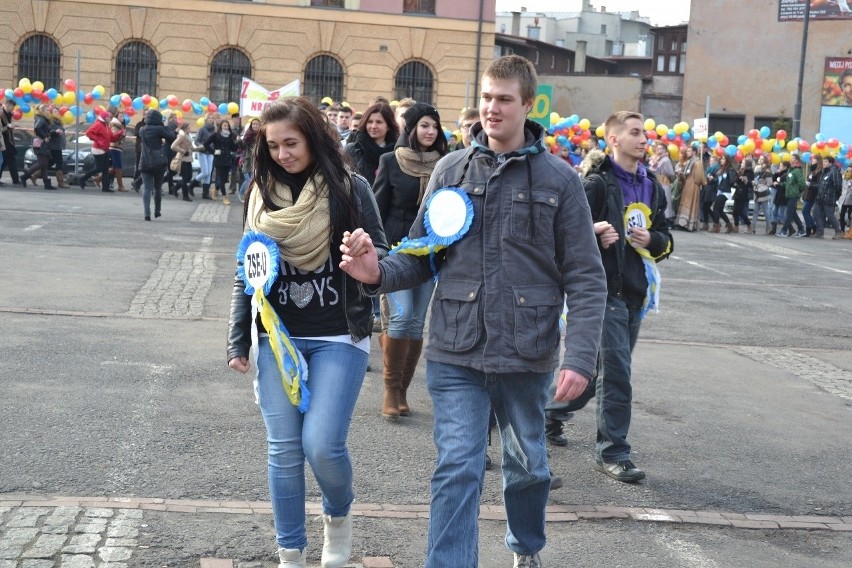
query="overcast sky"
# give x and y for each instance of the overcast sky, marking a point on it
(661, 12)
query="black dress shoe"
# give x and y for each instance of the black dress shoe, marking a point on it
(147, 217)
(554, 431)
(157, 215)
(108, 190)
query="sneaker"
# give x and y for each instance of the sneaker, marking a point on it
(554, 430)
(621, 471)
(799, 235)
(291, 558)
(337, 545)
(555, 482)
(524, 561)
(783, 234)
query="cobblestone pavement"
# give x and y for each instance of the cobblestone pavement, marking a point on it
(98, 532)
(826, 376)
(211, 212)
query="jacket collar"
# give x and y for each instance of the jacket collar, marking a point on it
(533, 141)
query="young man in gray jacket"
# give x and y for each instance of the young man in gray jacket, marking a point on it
(494, 332)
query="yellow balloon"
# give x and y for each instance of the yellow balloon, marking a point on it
(23, 82)
(680, 127)
(748, 146)
(99, 89)
(58, 99)
(69, 97)
(200, 122)
(662, 130)
(154, 103)
(178, 114)
(718, 136)
(776, 159)
(585, 124)
(785, 157)
(554, 117)
(767, 145)
(329, 101)
(650, 124)
(600, 130)
(68, 118)
(27, 88)
(550, 141)
(674, 151)
(792, 145)
(38, 86)
(233, 108)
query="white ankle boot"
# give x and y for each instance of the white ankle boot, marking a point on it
(291, 558)
(337, 547)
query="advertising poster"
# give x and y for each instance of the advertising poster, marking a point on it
(836, 116)
(254, 98)
(794, 10)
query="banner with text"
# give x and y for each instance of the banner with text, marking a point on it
(254, 98)
(794, 10)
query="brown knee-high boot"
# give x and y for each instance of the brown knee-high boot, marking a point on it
(412, 356)
(394, 359)
(60, 179)
(119, 178)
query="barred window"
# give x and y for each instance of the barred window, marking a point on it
(419, 6)
(329, 3)
(227, 70)
(136, 69)
(323, 78)
(414, 79)
(39, 60)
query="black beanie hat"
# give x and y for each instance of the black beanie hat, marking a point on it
(413, 115)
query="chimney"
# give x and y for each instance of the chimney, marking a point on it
(580, 56)
(603, 9)
(516, 23)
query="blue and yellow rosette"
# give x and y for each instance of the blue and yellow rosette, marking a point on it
(639, 215)
(449, 214)
(258, 259)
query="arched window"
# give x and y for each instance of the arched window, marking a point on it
(39, 60)
(227, 70)
(414, 79)
(136, 70)
(323, 78)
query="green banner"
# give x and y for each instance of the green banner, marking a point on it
(540, 111)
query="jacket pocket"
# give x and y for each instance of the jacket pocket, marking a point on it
(455, 315)
(533, 214)
(537, 310)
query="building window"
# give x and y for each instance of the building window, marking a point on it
(682, 67)
(418, 7)
(603, 29)
(414, 79)
(533, 32)
(661, 43)
(536, 57)
(323, 78)
(39, 60)
(672, 63)
(683, 47)
(136, 69)
(661, 63)
(328, 3)
(227, 70)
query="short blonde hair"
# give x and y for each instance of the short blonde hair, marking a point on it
(515, 67)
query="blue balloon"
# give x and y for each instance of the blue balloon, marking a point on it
(196, 108)
(74, 110)
(764, 132)
(686, 136)
(731, 150)
(90, 117)
(806, 157)
(25, 108)
(10, 94)
(223, 108)
(671, 134)
(96, 95)
(712, 142)
(164, 104)
(51, 93)
(204, 101)
(28, 98)
(778, 147)
(562, 140)
(115, 100)
(820, 137)
(601, 144)
(137, 103)
(741, 139)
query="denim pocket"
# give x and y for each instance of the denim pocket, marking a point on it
(455, 315)
(533, 214)
(537, 310)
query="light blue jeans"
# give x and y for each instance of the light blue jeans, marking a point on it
(462, 398)
(764, 205)
(335, 374)
(205, 164)
(408, 311)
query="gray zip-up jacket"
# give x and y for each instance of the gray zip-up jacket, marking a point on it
(530, 247)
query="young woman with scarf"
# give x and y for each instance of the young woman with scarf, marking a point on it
(376, 135)
(400, 183)
(304, 199)
(223, 145)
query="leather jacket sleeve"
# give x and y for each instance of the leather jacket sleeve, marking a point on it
(239, 322)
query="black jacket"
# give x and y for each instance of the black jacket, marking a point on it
(625, 270)
(222, 148)
(154, 134)
(356, 303)
(396, 196)
(365, 155)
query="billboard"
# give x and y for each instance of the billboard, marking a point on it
(837, 82)
(794, 10)
(254, 98)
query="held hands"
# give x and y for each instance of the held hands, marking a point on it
(606, 234)
(640, 236)
(570, 385)
(241, 364)
(360, 260)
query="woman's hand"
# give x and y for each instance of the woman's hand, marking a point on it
(606, 234)
(241, 364)
(360, 259)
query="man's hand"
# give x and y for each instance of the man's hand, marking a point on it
(570, 385)
(606, 234)
(640, 236)
(360, 260)
(241, 364)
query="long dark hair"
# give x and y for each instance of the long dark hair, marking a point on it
(387, 114)
(439, 145)
(324, 144)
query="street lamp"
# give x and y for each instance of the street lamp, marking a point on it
(797, 108)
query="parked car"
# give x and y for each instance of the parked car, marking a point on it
(77, 158)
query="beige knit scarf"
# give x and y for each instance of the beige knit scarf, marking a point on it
(417, 164)
(301, 229)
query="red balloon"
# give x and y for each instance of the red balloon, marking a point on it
(186, 106)
(172, 101)
(804, 146)
(651, 134)
(820, 145)
(754, 134)
(739, 156)
(724, 141)
(19, 92)
(63, 110)
(833, 143)
(146, 99)
(720, 151)
(129, 111)
(70, 85)
(781, 134)
(17, 114)
(126, 100)
(758, 152)
(36, 93)
(211, 107)
(576, 140)
(88, 98)
(585, 135)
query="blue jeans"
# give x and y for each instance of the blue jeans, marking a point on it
(792, 217)
(780, 214)
(244, 186)
(462, 398)
(758, 205)
(806, 213)
(335, 374)
(408, 311)
(614, 393)
(205, 164)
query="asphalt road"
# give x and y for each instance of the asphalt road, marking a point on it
(113, 382)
